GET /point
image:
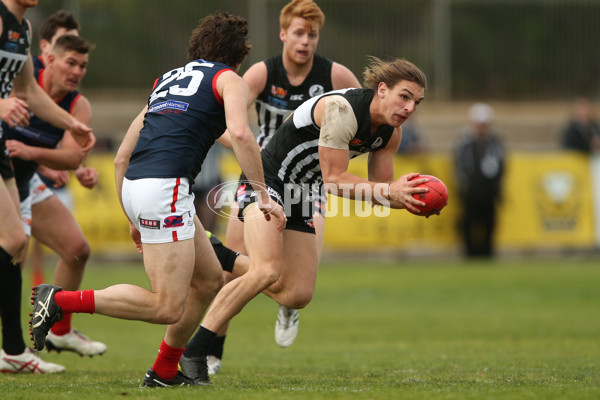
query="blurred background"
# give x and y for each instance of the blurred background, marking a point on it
(531, 61)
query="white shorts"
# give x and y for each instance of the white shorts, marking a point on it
(38, 191)
(162, 209)
(26, 215)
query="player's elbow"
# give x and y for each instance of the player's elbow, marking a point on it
(331, 183)
(241, 137)
(20, 92)
(121, 162)
(73, 162)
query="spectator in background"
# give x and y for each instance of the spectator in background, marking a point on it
(582, 132)
(479, 163)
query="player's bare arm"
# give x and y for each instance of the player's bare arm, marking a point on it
(68, 155)
(26, 88)
(59, 177)
(82, 111)
(121, 164)
(256, 78)
(342, 77)
(381, 169)
(234, 92)
(87, 176)
(14, 112)
(126, 149)
(338, 127)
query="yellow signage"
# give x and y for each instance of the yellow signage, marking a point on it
(547, 203)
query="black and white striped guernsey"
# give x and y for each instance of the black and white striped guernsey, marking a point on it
(279, 98)
(292, 155)
(14, 49)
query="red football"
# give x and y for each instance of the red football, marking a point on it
(435, 199)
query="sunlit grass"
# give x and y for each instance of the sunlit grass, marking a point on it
(431, 330)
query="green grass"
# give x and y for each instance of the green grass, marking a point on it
(424, 330)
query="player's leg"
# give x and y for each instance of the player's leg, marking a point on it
(286, 327)
(265, 245)
(206, 282)
(38, 192)
(169, 267)
(12, 243)
(15, 357)
(234, 236)
(12, 235)
(286, 324)
(235, 241)
(169, 259)
(36, 261)
(54, 225)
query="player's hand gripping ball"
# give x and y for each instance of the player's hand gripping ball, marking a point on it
(435, 199)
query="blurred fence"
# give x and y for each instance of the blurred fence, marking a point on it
(513, 53)
(484, 49)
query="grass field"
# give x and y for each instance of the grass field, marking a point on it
(424, 330)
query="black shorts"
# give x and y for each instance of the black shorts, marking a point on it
(299, 205)
(6, 169)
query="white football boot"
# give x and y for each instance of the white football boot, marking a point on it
(214, 365)
(29, 362)
(76, 342)
(286, 327)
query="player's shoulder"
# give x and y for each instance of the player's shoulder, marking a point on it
(256, 77)
(231, 80)
(258, 69)
(343, 77)
(81, 101)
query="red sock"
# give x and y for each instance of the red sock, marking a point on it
(80, 301)
(63, 326)
(165, 365)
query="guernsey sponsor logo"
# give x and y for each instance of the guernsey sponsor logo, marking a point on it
(169, 105)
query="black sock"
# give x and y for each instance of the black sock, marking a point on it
(226, 256)
(11, 286)
(198, 346)
(216, 347)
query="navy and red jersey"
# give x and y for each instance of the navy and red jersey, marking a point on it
(38, 63)
(185, 116)
(38, 133)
